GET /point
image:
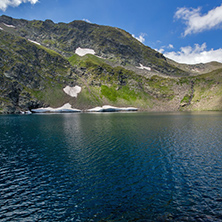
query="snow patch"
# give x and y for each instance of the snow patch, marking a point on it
(42, 110)
(108, 108)
(143, 67)
(1, 28)
(72, 91)
(10, 26)
(96, 109)
(66, 108)
(81, 52)
(26, 112)
(34, 42)
(195, 70)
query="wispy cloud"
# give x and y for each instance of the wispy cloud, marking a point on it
(196, 22)
(196, 54)
(4, 4)
(170, 46)
(162, 48)
(87, 20)
(140, 38)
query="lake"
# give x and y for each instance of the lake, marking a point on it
(111, 167)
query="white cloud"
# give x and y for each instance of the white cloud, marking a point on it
(140, 38)
(196, 22)
(197, 54)
(87, 20)
(161, 50)
(14, 3)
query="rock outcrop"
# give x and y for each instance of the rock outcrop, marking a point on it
(38, 61)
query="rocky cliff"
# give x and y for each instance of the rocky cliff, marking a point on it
(38, 59)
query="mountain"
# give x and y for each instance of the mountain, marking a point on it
(40, 58)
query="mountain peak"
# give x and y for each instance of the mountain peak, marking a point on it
(41, 58)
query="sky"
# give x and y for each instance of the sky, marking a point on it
(187, 31)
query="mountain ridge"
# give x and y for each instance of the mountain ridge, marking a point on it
(38, 59)
(66, 37)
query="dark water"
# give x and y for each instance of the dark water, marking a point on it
(111, 167)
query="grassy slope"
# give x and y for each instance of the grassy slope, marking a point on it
(118, 86)
(121, 87)
(106, 84)
(208, 91)
(47, 73)
(30, 72)
(108, 42)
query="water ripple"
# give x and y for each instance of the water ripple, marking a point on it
(111, 167)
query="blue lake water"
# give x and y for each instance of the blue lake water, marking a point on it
(111, 167)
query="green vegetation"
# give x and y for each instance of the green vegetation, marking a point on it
(30, 72)
(36, 23)
(186, 99)
(109, 93)
(124, 93)
(34, 75)
(85, 61)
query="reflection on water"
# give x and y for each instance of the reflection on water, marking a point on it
(111, 167)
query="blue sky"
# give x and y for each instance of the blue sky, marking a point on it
(188, 31)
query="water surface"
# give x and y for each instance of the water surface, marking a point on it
(111, 167)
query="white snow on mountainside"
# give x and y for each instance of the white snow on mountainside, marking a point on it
(144, 67)
(65, 108)
(81, 52)
(72, 91)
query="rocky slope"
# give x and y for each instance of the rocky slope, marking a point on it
(38, 59)
(28, 73)
(107, 42)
